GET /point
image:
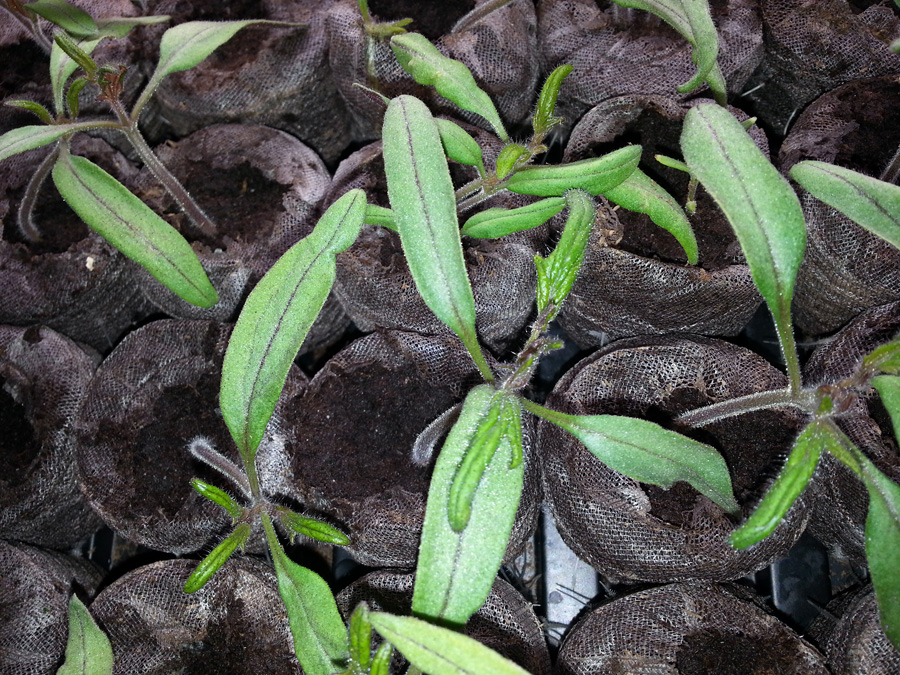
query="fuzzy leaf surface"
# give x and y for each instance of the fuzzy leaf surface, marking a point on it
(132, 227)
(870, 203)
(595, 175)
(440, 651)
(647, 452)
(459, 145)
(61, 68)
(276, 319)
(456, 570)
(213, 562)
(884, 359)
(36, 135)
(498, 222)
(452, 79)
(88, 650)
(544, 119)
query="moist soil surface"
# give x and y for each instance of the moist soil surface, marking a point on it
(732, 653)
(19, 445)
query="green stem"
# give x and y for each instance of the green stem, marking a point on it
(252, 476)
(789, 351)
(846, 450)
(744, 404)
(478, 356)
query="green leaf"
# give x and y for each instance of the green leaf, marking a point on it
(70, 18)
(498, 222)
(88, 650)
(647, 452)
(452, 80)
(793, 479)
(507, 158)
(641, 193)
(672, 163)
(884, 359)
(132, 227)
(870, 203)
(378, 215)
(544, 119)
(295, 524)
(360, 635)
(276, 318)
(456, 570)
(72, 96)
(218, 557)
(34, 136)
(61, 68)
(459, 145)
(120, 26)
(760, 205)
(424, 206)
(320, 638)
(595, 175)
(381, 662)
(883, 546)
(32, 107)
(218, 496)
(74, 52)
(440, 651)
(888, 388)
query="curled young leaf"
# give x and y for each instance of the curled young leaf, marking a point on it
(88, 650)
(218, 496)
(111, 210)
(219, 556)
(595, 175)
(295, 524)
(459, 145)
(74, 52)
(498, 222)
(62, 66)
(452, 80)
(508, 157)
(72, 105)
(544, 119)
(32, 107)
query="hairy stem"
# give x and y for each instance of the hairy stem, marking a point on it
(25, 216)
(892, 171)
(745, 404)
(477, 14)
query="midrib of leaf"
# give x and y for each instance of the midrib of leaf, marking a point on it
(861, 193)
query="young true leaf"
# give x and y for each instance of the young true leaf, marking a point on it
(452, 80)
(61, 68)
(507, 158)
(276, 318)
(595, 175)
(672, 163)
(884, 359)
(218, 496)
(73, 20)
(34, 136)
(320, 639)
(642, 194)
(88, 650)
(218, 557)
(74, 52)
(498, 222)
(378, 215)
(888, 388)
(132, 227)
(72, 96)
(760, 205)
(796, 474)
(32, 107)
(543, 119)
(296, 524)
(459, 145)
(647, 452)
(381, 662)
(360, 635)
(424, 207)
(440, 651)
(872, 204)
(456, 570)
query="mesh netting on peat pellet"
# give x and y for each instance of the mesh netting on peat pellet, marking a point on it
(631, 531)
(846, 269)
(34, 606)
(43, 376)
(635, 279)
(373, 279)
(267, 74)
(235, 624)
(841, 502)
(353, 433)
(58, 272)
(500, 49)
(155, 394)
(506, 621)
(689, 628)
(616, 51)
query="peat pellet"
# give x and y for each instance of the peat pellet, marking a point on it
(235, 624)
(630, 531)
(689, 628)
(43, 376)
(150, 399)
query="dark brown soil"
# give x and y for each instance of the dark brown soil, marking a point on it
(873, 108)
(732, 653)
(431, 19)
(19, 445)
(24, 65)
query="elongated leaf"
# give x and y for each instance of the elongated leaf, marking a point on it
(213, 562)
(120, 26)
(88, 651)
(595, 175)
(132, 227)
(498, 222)
(793, 479)
(61, 68)
(870, 203)
(440, 651)
(32, 107)
(320, 638)
(647, 452)
(459, 145)
(67, 16)
(424, 207)
(888, 387)
(218, 496)
(884, 359)
(34, 136)
(452, 80)
(276, 318)
(360, 636)
(294, 523)
(760, 205)
(456, 570)
(642, 194)
(544, 118)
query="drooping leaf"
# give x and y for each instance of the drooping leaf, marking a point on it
(595, 175)
(459, 145)
(544, 119)
(498, 222)
(132, 227)
(74, 20)
(88, 650)
(884, 359)
(888, 387)
(34, 136)
(647, 452)
(760, 205)
(440, 651)
(424, 206)
(793, 479)
(276, 318)
(61, 68)
(456, 570)
(870, 203)
(508, 157)
(642, 194)
(213, 562)
(452, 79)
